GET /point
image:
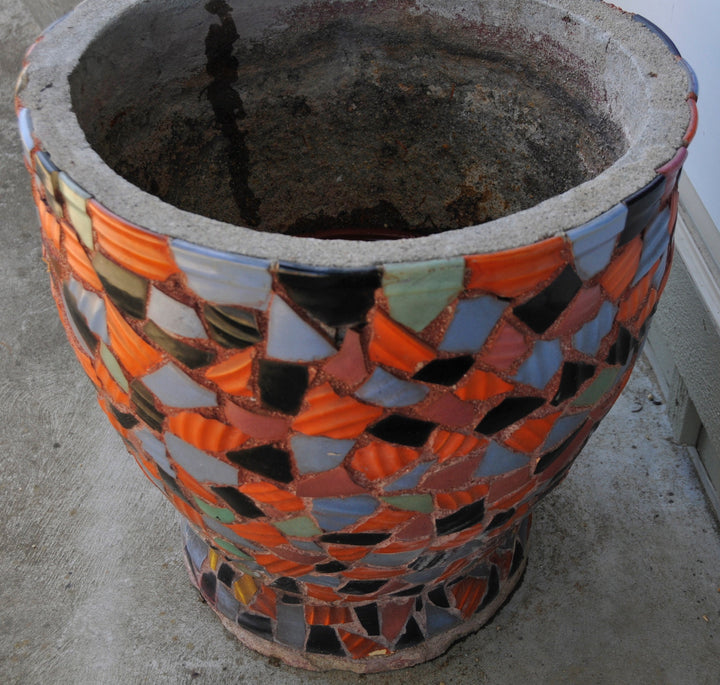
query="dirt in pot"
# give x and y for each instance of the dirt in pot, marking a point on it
(356, 123)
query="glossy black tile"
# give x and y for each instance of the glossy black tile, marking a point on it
(330, 567)
(445, 371)
(142, 399)
(364, 539)
(642, 207)
(439, 598)
(493, 589)
(574, 374)
(541, 311)
(231, 326)
(282, 385)
(324, 640)
(461, 519)
(267, 460)
(368, 616)
(508, 412)
(362, 587)
(260, 625)
(190, 356)
(239, 502)
(412, 635)
(402, 430)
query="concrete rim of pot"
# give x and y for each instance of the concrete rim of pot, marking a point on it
(644, 65)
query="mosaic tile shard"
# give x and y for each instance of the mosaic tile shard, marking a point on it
(76, 199)
(282, 385)
(418, 292)
(232, 326)
(127, 290)
(499, 460)
(508, 412)
(291, 339)
(26, 134)
(386, 390)
(541, 311)
(337, 513)
(317, 454)
(655, 244)
(642, 207)
(445, 371)
(200, 465)
(410, 480)
(92, 308)
(472, 322)
(265, 460)
(337, 298)
(176, 389)
(574, 374)
(541, 366)
(402, 430)
(223, 278)
(593, 243)
(589, 337)
(173, 316)
(189, 355)
(47, 176)
(155, 448)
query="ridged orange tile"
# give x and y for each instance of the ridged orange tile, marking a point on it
(333, 416)
(322, 593)
(386, 519)
(283, 567)
(267, 493)
(48, 222)
(257, 531)
(233, 375)
(482, 385)
(647, 309)
(460, 498)
(346, 553)
(532, 433)
(137, 356)
(448, 444)
(512, 272)
(146, 464)
(78, 260)
(361, 647)
(380, 459)
(114, 391)
(621, 271)
(185, 479)
(468, 594)
(633, 301)
(205, 434)
(134, 248)
(87, 364)
(186, 510)
(325, 615)
(369, 573)
(392, 345)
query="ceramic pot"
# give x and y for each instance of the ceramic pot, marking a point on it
(355, 282)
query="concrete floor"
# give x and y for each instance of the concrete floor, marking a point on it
(623, 584)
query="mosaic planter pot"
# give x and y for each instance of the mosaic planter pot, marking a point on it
(355, 282)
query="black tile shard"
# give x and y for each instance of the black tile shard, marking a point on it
(208, 585)
(439, 598)
(287, 585)
(364, 539)
(508, 412)
(142, 399)
(172, 486)
(642, 207)
(226, 575)
(492, 591)
(232, 327)
(412, 635)
(541, 311)
(549, 457)
(518, 556)
(368, 616)
(266, 460)
(239, 502)
(79, 320)
(500, 519)
(336, 298)
(324, 640)
(402, 430)
(427, 561)
(190, 356)
(624, 345)
(461, 519)
(330, 567)
(574, 374)
(282, 385)
(362, 587)
(445, 371)
(260, 625)
(126, 290)
(125, 420)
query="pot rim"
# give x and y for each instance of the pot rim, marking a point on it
(663, 78)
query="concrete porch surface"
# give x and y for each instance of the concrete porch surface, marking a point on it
(622, 586)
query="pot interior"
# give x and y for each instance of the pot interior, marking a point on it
(341, 120)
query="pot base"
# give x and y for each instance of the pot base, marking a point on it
(286, 618)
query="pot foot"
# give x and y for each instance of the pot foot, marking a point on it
(373, 629)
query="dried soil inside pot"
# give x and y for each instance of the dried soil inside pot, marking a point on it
(343, 120)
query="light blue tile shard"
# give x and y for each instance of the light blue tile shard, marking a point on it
(385, 390)
(225, 602)
(200, 465)
(155, 449)
(231, 535)
(92, 307)
(326, 581)
(176, 389)
(222, 277)
(392, 559)
(313, 455)
(589, 337)
(292, 339)
(424, 576)
(306, 545)
(173, 316)
(409, 480)
(196, 548)
(78, 337)
(499, 459)
(291, 624)
(594, 242)
(472, 323)
(336, 513)
(659, 273)
(542, 364)
(438, 620)
(563, 428)
(26, 133)
(655, 244)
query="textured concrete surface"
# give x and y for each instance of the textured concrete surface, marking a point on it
(623, 583)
